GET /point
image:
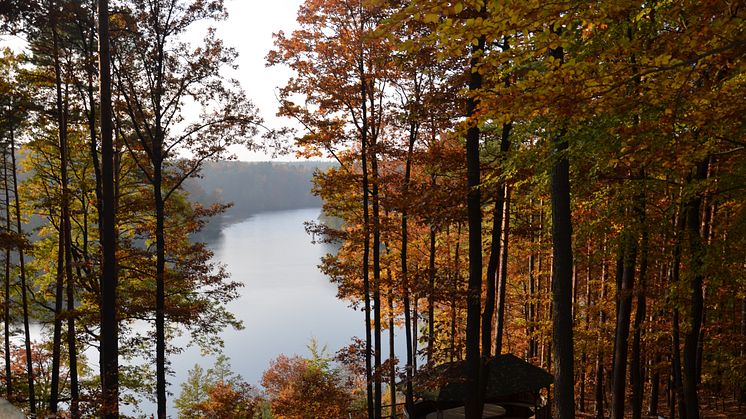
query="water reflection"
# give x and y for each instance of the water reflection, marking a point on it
(285, 300)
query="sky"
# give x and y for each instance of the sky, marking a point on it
(249, 30)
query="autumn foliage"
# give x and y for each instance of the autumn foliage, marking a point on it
(560, 180)
(301, 388)
(610, 161)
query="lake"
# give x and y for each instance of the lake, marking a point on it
(285, 301)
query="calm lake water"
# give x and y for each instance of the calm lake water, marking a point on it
(285, 300)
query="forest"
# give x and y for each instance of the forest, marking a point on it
(561, 181)
(252, 187)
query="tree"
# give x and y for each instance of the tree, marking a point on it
(341, 76)
(562, 333)
(155, 75)
(109, 326)
(301, 388)
(593, 95)
(217, 392)
(474, 378)
(17, 102)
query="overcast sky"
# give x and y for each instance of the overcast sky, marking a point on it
(249, 29)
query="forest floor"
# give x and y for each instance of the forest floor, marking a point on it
(713, 407)
(716, 407)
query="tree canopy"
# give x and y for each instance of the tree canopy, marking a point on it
(562, 181)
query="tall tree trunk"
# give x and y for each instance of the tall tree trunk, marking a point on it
(587, 327)
(392, 354)
(415, 331)
(157, 159)
(742, 351)
(88, 98)
(92, 146)
(532, 294)
(24, 289)
(492, 269)
(562, 333)
(57, 328)
(109, 326)
(160, 293)
(636, 364)
(701, 339)
(456, 290)
(655, 379)
(503, 282)
(474, 392)
(6, 297)
(431, 294)
(71, 340)
(676, 366)
(377, 373)
(696, 253)
(599, 396)
(655, 383)
(62, 145)
(671, 395)
(575, 288)
(495, 249)
(408, 395)
(65, 231)
(628, 259)
(562, 269)
(675, 329)
(366, 237)
(706, 233)
(541, 339)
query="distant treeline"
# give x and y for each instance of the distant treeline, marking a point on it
(254, 187)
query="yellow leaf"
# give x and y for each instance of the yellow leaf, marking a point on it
(431, 17)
